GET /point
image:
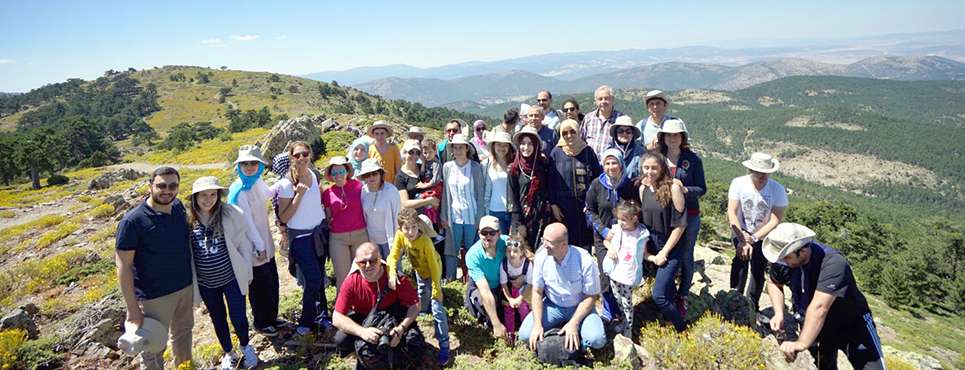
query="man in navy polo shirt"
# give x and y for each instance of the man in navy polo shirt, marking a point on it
(154, 265)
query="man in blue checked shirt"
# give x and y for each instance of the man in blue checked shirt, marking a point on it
(566, 285)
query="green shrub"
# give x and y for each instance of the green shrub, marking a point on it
(102, 210)
(57, 179)
(336, 142)
(40, 354)
(711, 343)
(10, 343)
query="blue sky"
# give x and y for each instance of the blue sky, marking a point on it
(50, 41)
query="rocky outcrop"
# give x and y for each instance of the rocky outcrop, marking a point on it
(22, 318)
(105, 180)
(303, 128)
(919, 361)
(95, 326)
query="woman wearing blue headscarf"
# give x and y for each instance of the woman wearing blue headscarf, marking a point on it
(358, 151)
(250, 193)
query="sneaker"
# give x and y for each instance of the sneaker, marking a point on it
(228, 361)
(443, 355)
(250, 357)
(268, 331)
(682, 307)
(303, 330)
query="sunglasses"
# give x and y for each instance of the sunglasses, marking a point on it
(624, 130)
(488, 232)
(480, 128)
(300, 155)
(364, 263)
(167, 186)
(571, 109)
(452, 130)
(415, 152)
(250, 163)
(542, 100)
(338, 172)
(569, 132)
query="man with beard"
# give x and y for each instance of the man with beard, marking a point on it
(153, 260)
(836, 314)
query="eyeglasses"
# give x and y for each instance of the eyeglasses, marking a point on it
(250, 163)
(364, 263)
(167, 186)
(338, 171)
(571, 109)
(488, 232)
(624, 130)
(415, 152)
(301, 155)
(542, 100)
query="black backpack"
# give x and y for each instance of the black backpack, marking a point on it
(552, 350)
(408, 354)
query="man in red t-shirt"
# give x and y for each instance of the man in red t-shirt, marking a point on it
(358, 294)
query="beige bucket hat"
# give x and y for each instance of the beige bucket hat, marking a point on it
(205, 183)
(785, 239)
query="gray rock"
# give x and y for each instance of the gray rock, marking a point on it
(920, 361)
(709, 256)
(774, 359)
(31, 309)
(104, 332)
(304, 128)
(105, 180)
(20, 319)
(624, 351)
(117, 201)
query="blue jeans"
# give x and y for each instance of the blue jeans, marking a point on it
(591, 329)
(438, 310)
(504, 221)
(664, 291)
(463, 237)
(303, 251)
(687, 242)
(214, 299)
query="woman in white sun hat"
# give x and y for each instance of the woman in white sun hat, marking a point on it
(380, 204)
(687, 168)
(496, 171)
(462, 202)
(223, 245)
(755, 205)
(343, 207)
(250, 194)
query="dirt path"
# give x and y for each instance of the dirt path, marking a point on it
(148, 167)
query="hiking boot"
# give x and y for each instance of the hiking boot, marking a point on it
(228, 361)
(268, 331)
(682, 307)
(250, 357)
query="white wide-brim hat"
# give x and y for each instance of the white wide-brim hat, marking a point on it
(379, 124)
(762, 162)
(151, 337)
(673, 126)
(338, 160)
(205, 183)
(250, 153)
(370, 165)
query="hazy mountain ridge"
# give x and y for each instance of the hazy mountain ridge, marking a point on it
(667, 76)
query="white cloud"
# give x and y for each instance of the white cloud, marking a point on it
(7, 61)
(244, 37)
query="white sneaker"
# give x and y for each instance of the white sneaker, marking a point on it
(228, 361)
(251, 358)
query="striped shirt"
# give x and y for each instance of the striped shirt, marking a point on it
(596, 130)
(211, 260)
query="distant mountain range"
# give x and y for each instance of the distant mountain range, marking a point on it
(516, 84)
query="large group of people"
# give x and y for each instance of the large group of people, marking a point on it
(543, 215)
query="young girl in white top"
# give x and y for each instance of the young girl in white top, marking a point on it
(624, 259)
(515, 276)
